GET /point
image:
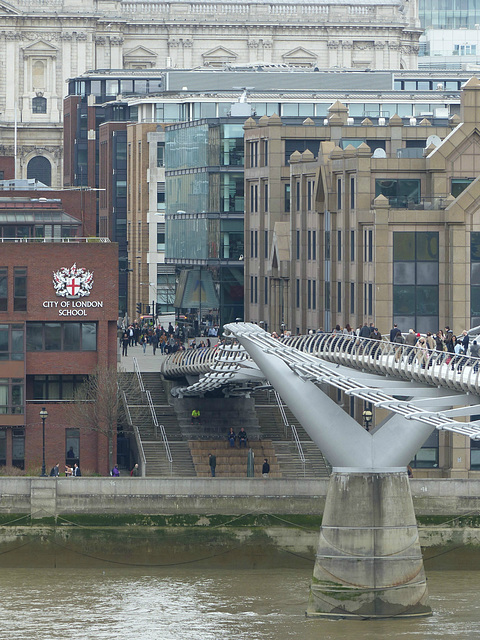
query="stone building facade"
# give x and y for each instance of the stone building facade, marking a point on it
(44, 43)
(377, 222)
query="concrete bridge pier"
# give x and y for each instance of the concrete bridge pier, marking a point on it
(369, 562)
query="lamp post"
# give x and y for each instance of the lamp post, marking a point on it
(43, 416)
(367, 419)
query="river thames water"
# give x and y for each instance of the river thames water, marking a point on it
(188, 603)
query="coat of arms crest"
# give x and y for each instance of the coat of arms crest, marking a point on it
(72, 283)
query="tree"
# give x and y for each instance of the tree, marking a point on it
(98, 403)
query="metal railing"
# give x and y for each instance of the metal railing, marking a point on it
(296, 439)
(160, 427)
(136, 432)
(138, 373)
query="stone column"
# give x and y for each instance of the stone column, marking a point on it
(369, 562)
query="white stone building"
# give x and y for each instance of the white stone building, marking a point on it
(44, 42)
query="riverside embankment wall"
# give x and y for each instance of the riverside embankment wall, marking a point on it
(46, 497)
(48, 522)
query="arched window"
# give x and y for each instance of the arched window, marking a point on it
(39, 105)
(40, 169)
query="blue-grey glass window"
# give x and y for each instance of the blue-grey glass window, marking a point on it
(297, 244)
(3, 289)
(400, 192)
(71, 336)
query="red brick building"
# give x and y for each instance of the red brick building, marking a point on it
(58, 321)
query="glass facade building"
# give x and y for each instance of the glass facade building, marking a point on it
(204, 186)
(449, 14)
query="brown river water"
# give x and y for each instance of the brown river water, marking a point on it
(192, 603)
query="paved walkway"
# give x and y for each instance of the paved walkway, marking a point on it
(146, 361)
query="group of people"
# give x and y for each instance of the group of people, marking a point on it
(134, 473)
(70, 472)
(241, 436)
(212, 461)
(167, 340)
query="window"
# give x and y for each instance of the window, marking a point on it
(20, 289)
(254, 154)
(427, 456)
(314, 245)
(18, 448)
(352, 297)
(310, 188)
(401, 194)
(352, 193)
(297, 195)
(251, 243)
(459, 185)
(314, 294)
(265, 233)
(416, 280)
(339, 246)
(327, 296)
(160, 196)
(53, 387)
(256, 244)
(11, 342)
(309, 294)
(265, 300)
(39, 105)
(256, 290)
(370, 299)
(297, 293)
(265, 197)
(39, 168)
(352, 246)
(370, 245)
(297, 236)
(72, 446)
(160, 154)
(339, 194)
(286, 196)
(11, 396)
(160, 236)
(3, 447)
(265, 153)
(251, 289)
(309, 245)
(61, 336)
(3, 289)
(339, 297)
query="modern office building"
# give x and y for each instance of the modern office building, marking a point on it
(148, 99)
(204, 217)
(324, 235)
(367, 222)
(451, 37)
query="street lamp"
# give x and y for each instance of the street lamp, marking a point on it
(43, 416)
(367, 419)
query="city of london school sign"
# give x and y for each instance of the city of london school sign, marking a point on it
(73, 286)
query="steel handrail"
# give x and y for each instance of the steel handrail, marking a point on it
(136, 368)
(160, 427)
(296, 439)
(136, 432)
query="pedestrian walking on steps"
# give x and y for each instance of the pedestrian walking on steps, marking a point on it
(212, 461)
(265, 468)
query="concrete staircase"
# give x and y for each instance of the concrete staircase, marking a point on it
(272, 427)
(232, 461)
(153, 446)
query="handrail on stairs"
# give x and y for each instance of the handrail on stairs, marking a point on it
(136, 368)
(136, 433)
(160, 427)
(296, 439)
